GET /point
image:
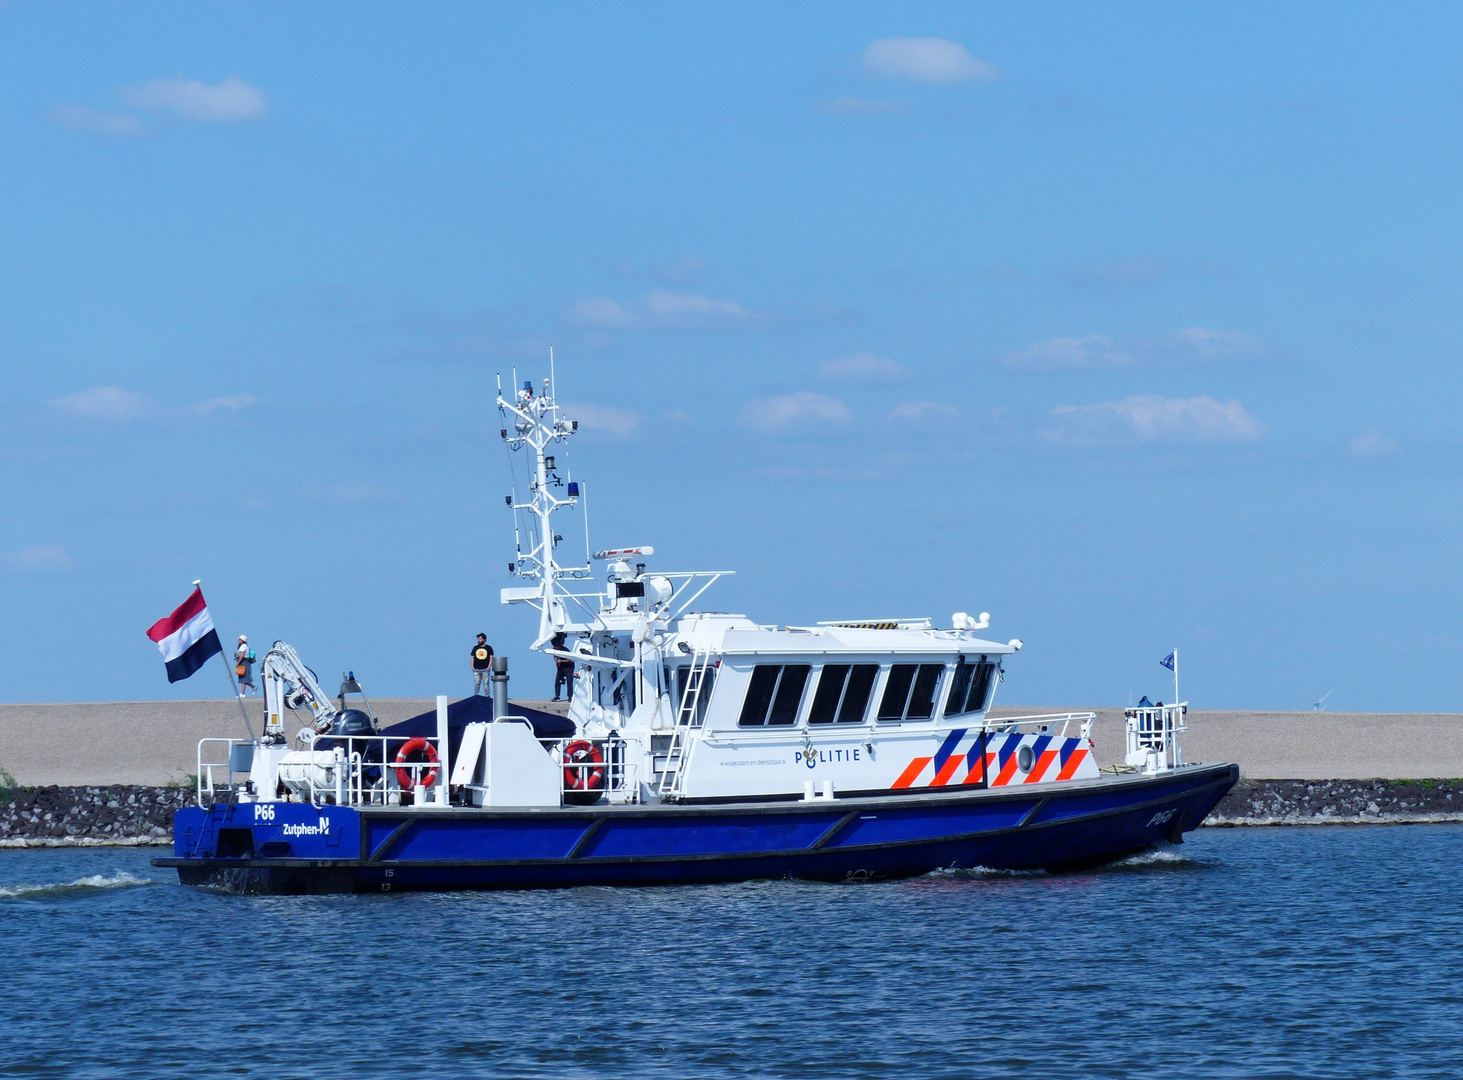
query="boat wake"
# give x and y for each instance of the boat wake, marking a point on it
(1162, 857)
(982, 873)
(94, 883)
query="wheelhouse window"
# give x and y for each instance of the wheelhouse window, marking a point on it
(843, 693)
(971, 686)
(774, 694)
(909, 693)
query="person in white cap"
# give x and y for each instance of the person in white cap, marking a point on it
(244, 666)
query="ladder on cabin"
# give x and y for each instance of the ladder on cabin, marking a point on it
(675, 758)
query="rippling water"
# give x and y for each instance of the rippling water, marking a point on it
(1309, 952)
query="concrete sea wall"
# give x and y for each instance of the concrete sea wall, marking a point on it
(57, 816)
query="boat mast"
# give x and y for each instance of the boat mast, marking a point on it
(534, 422)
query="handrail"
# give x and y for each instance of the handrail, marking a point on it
(204, 777)
(351, 785)
(989, 723)
(1152, 733)
(617, 770)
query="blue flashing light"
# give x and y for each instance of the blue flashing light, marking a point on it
(528, 384)
(573, 488)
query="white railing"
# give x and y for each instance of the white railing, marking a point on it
(357, 776)
(617, 771)
(357, 770)
(1152, 736)
(361, 770)
(209, 771)
(1043, 723)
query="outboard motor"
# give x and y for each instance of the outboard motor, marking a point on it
(358, 723)
(353, 722)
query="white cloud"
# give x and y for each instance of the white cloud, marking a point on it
(230, 404)
(918, 410)
(1372, 445)
(661, 310)
(104, 403)
(1200, 344)
(851, 106)
(1093, 352)
(788, 409)
(1148, 418)
(864, 367)
(605, 419)
(228, 101)
(38, 559)
(80, 118)
(1071, 354)
(693, 309)
(602, 313)
(926, 60)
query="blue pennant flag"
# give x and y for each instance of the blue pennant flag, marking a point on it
(1169, 660)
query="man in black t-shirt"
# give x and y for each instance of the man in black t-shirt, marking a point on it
(482, 665)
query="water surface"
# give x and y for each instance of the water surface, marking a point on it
(1301, 952)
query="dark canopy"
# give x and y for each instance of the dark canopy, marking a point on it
(479, 709)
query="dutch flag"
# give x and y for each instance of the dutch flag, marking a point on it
(186, 637)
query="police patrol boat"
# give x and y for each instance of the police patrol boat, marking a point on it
(700, 746)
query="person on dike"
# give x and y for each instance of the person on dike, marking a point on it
(482, 666)
(244, 666)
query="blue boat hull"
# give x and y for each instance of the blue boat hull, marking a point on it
(298, 848)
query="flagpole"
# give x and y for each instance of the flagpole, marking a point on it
(233, 683)
(1175, 676)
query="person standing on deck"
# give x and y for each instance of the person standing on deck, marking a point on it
(563, 668)
(244, 666)
(482, 666)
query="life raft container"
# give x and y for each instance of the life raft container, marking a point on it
(415, 752)
(584, 772)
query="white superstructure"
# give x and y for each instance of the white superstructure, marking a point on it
(705, 705)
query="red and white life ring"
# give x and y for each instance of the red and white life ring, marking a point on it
(425, 751)
(584, 766)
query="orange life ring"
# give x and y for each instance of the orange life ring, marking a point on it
(426, 752)
(584, 766)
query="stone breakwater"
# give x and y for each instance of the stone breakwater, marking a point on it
(132, 814)
(1339, 802)
(123, 814)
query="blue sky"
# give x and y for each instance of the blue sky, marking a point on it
(1134, 325)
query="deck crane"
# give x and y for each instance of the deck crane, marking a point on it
(290, 684)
